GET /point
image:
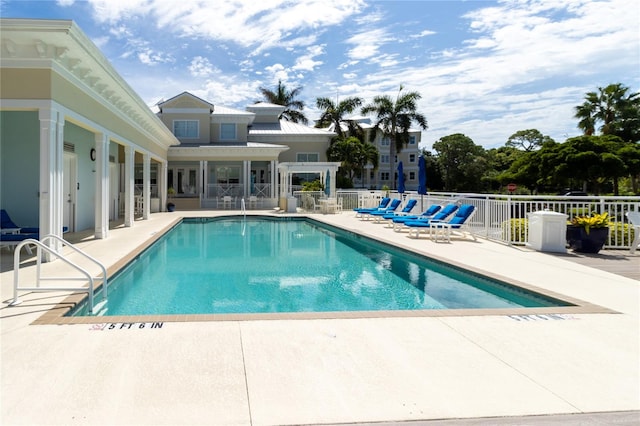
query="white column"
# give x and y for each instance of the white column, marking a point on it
(101, 227)
(51, 169)
(146, 186)
(273, 178)
(162, 184)
(245, 182)
(205, 179)
(128, 185)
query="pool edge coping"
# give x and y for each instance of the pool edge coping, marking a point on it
(56, 315)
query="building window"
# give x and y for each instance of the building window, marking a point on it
(412, 140)
(186, 129)
(412, 175)
(307, 157)
(384, 159)
(412, 158)
(228, 132)
(385, 141)
(384, 175)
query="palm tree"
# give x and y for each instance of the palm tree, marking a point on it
(334, 114)
(394, 120)
(286, 98)
(618, 113)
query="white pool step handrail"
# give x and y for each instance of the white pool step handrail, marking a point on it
(41, 246)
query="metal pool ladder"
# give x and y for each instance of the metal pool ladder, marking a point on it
(60, 243)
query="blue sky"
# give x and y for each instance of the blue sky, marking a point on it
(484, 68)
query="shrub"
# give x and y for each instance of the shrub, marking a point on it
(519, 230)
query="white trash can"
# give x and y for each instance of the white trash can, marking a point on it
(292, 204)
(547, 231)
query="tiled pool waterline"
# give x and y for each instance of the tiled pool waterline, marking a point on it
(350, 296)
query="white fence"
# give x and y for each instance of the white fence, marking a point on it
(504, 218)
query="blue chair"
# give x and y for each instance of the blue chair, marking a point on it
(7, 223)
(387, 216)
(403, 217)
(456, 222)
(383, 204)
(11, 240)
(440, 215)
(393, 205)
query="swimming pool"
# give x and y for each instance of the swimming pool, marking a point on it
(280, 265)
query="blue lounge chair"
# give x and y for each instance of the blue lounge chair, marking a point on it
(12, 240)
(383, 204)
(7, 223)
(434, 226)
(393, 205)
(402, 217)
(387, 216)
(441, 215)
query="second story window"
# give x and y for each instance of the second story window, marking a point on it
(412, 158)
(412, 140)
(385, 141)
(186, 129)
(307, 157)
(384, 159)
(228, 132)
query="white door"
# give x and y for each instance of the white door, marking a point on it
(70, 177)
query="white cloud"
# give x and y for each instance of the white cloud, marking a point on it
(423, 33)
(306, 62)
(248, 23)
(367, 43)
(65, 3)
(201, 67)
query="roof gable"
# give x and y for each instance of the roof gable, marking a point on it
(185, 100)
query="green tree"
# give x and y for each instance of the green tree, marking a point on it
(434, 175)
(613, 110)
(287, 98)
(499, 161)
(354, 155)
(527, 140)
(629, 153)
(394, 119)
(461, 162)
(334, 114)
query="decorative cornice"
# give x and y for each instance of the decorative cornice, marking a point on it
(69, 52)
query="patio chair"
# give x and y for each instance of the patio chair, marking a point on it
(445, 228)
(634, 221)
(403, 217)
(12, 240)
(393, 205)
(405, 210)
(7, 224)
(383, 204)
(440, 215)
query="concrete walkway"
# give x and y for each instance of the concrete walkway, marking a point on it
(328, 371)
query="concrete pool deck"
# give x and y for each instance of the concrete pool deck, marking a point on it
(327, 371)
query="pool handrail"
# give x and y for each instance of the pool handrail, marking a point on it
(41, 246)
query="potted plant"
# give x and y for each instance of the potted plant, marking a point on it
(588, 234)
(171, 206)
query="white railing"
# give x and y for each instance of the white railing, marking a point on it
(504, 217)
(42, 247)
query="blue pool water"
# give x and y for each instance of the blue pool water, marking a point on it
(260, 265)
